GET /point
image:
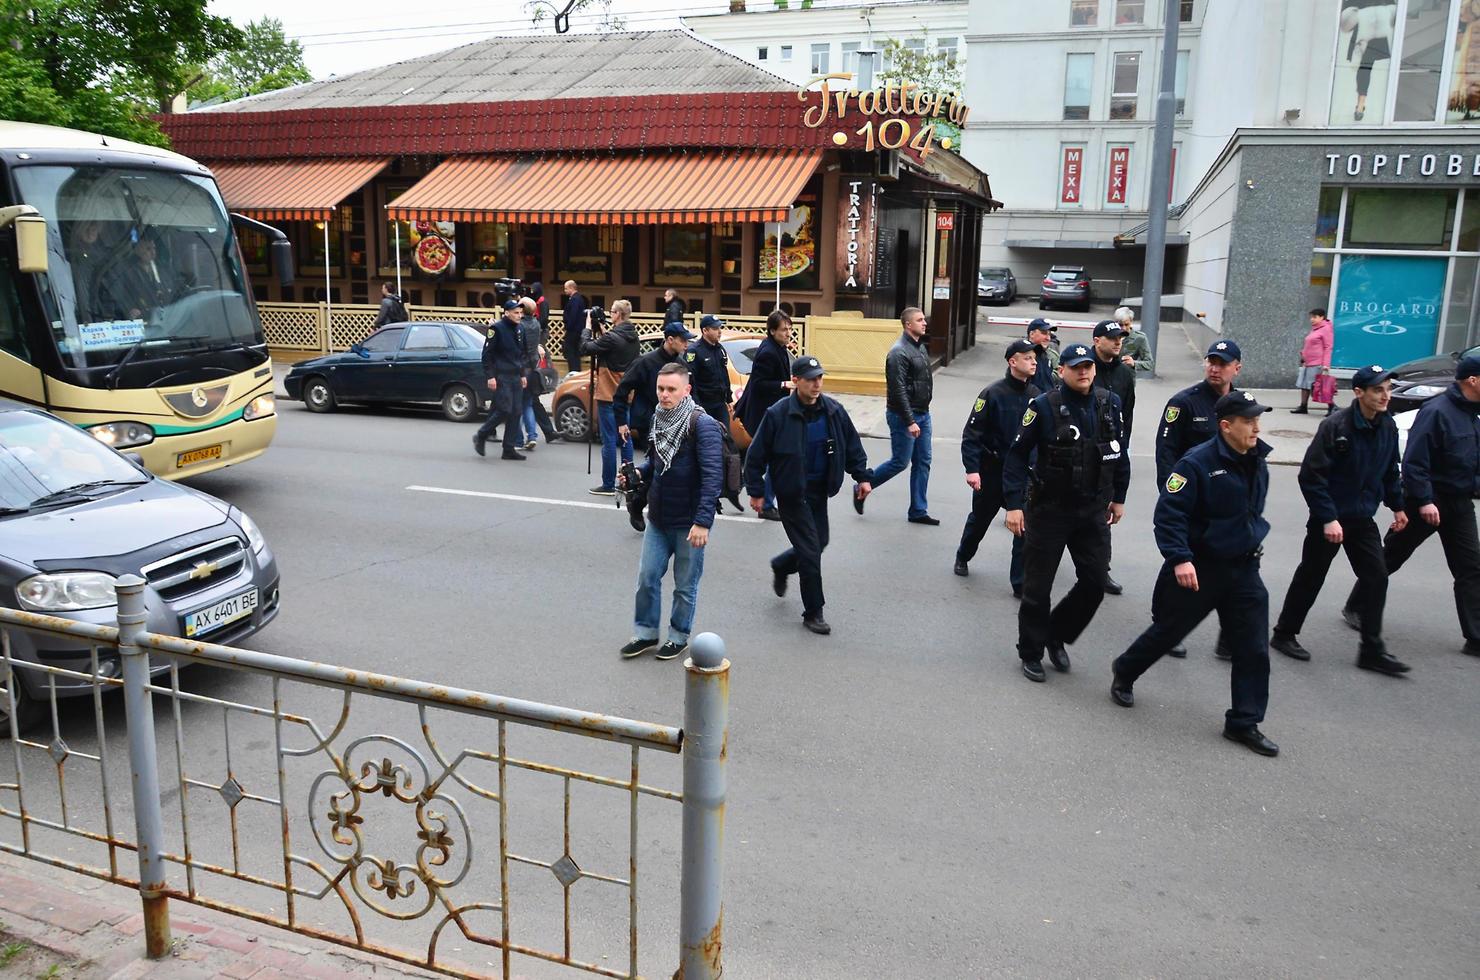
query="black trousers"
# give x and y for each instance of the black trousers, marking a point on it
(507, 409)
(1457, 534)
(1233, 588)
(1051, 529)
(985, 503)
(804, 519)
(1362, 543)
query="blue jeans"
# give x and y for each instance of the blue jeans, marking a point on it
(658, 545)
(607, 417)
(531, 425)
(911, 451)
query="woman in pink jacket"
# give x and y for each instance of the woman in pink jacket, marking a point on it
(1315, 359)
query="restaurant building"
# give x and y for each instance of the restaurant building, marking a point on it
(631, 163)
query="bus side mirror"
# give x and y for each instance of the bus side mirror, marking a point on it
(30, 243)
(282, 261)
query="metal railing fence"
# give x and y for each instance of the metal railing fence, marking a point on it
(374, 829)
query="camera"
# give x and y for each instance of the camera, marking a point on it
(508, 288)
(632, 494)
(599, 320)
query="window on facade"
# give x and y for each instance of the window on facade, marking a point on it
(586, 252)
(254, 250)
(786, 52)
(1425, 36)
(850, 56)
(1469, 226)
(820, 59)
(311, 248)
(1084, 13)
(915, 45)
(1399, 218)
(1123, 84)
(1079, 72)
(490, 248)
(1328, 216)
(1463, 98)
(1130, 11)
(761, 54)
(1184, 12)
(1179, 85)
(947, 49)
(681, 255)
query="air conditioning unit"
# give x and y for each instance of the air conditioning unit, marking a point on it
(888, 164)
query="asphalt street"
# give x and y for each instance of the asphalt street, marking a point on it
(902, 802)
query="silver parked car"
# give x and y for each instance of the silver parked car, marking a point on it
(75, 516)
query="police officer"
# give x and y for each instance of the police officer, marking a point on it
(709, 367)
(1040, 335)
(1079, 480)
(1113, 374)
(1210, 528)
(989, 431)
(1350, 465)
(1188, 420)
(1441, 482)
(503, 364)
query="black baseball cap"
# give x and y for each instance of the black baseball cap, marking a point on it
(1038, 323)
(674, 328)
(1370, 377)
(1225, 351)
(1240, 404)
(710, 320)
(1076, 354)
(1109, 328)
(1019, 347)
(1468, 367)
(806, 368)
(510, 304)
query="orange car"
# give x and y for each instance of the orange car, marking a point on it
(570, 407)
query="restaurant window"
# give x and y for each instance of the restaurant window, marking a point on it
(820, 60)
(1079, 70)
(762, 53)
(1130, 11)
(1184, 12)
(1179, 85)
(311, 245)
(797, 246)
(586, 252)
(1124, 81)
(255, 251)
(948, 50)
(1084, 13)
(681, 255)
(489, 249)
(786, 52)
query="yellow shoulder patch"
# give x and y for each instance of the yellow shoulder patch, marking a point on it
(981, 403)
(691, 355)
(1172, 413)
(1029, 416)
(1176, 482)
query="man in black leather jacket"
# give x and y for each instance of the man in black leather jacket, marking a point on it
(907, 410)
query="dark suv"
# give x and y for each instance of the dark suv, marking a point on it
(1065, 285)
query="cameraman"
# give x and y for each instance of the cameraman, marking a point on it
(684, 475)
(613, 348)
(639, 385)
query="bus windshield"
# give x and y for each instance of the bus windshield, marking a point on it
(143, 266)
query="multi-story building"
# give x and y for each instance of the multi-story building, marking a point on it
(802, 41)
(1327, 154)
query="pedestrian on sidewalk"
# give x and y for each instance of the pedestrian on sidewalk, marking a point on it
(1315, 359)
(503, 365)
(1136, 351)
(573, 311)
(1112, 373)
(636, 397)
(1441, 482)
(709, 366)
(1069, 446)
(535, 417)
(1210, 529)
(984, 442)
(807, 442)
(910, 386)
(684, 474)
(613, 346)
(392, 307)
(768, 383)
(1040, 335)
(1349, 468)
(674, 308)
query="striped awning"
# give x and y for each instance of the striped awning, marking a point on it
(653, 188)
(294, 190)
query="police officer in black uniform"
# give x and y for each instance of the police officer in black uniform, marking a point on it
(989, 431)
(1188, 420)
(1079, 481)
(1210, 528)
(709, 367)
(503, 364)
(1350, 466)
(1113, 374)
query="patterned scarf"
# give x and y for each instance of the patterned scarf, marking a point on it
(670, 428)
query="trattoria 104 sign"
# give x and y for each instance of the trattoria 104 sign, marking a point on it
(892, 101)
(858, 232)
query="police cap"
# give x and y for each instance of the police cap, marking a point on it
(711, 321)
(1225, 351)
(1076, 354)
(1019, 347)
(806, 368)
(1239, 404)
(1468, 367)
(510, 304)
(1038, 323)
(675, 328)
(1370, 377)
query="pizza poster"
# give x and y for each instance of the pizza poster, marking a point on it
(789, 247)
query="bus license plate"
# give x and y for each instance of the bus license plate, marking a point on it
(198, 455)
(226, 611)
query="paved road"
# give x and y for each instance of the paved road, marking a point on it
(903, 802)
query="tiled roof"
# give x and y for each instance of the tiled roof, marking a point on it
(530, 69)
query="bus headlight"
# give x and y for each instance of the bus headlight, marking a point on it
(67, 591)
(123, 435)
(260, 407)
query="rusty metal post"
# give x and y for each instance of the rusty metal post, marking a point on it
(706, 728)
(144, 765)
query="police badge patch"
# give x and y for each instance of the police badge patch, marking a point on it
(1176, 482)
(1029, 416)
(691, 355)
(490, 331)
(981, 403)
(1172, 413)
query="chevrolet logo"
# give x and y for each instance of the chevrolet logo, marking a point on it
(204, 569)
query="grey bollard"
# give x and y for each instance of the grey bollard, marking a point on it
(705, 750)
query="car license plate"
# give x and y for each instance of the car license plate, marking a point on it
(198, 455)
(226, 611)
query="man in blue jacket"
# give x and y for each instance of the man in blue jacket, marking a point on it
(809, 443)
(1441, 481)
(684, 474)
(503, 365)
(1210, 529)
(1349, 468)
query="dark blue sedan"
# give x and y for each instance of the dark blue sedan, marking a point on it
(405, 362)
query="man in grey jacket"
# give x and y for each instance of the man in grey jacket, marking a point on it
(907, 410)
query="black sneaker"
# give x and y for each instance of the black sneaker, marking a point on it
(1059, 657)
(603, 491)
(1179, 651)
(1382, 663)
(1121, 693)
(925, 519)
(670, 650)
(817, 624)
(778, 581)
(1033, 671)
(770, 514)
(1221, 651)
(513, 454)
(961, 569)
(478, 446)
(1113, 587)
(1289, 646)
(1472, 647)
(636, 648)
(857, 500)
(1253, 739)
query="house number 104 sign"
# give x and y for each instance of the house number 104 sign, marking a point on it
(892, 100)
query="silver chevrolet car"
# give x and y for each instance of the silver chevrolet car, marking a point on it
(75, 515)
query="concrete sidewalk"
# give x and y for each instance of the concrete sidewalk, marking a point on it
(56, 923)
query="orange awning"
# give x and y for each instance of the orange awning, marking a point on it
(293, 190)
(657, 188)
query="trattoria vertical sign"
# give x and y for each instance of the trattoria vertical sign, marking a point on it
(858, 232)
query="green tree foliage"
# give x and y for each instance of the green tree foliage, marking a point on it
(267, 59)
(930, 70)
(103, 65)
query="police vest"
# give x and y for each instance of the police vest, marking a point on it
(1077, 467)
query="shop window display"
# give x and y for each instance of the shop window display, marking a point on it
(489, 249)
(586, 253)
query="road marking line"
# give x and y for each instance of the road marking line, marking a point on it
(588, 504)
